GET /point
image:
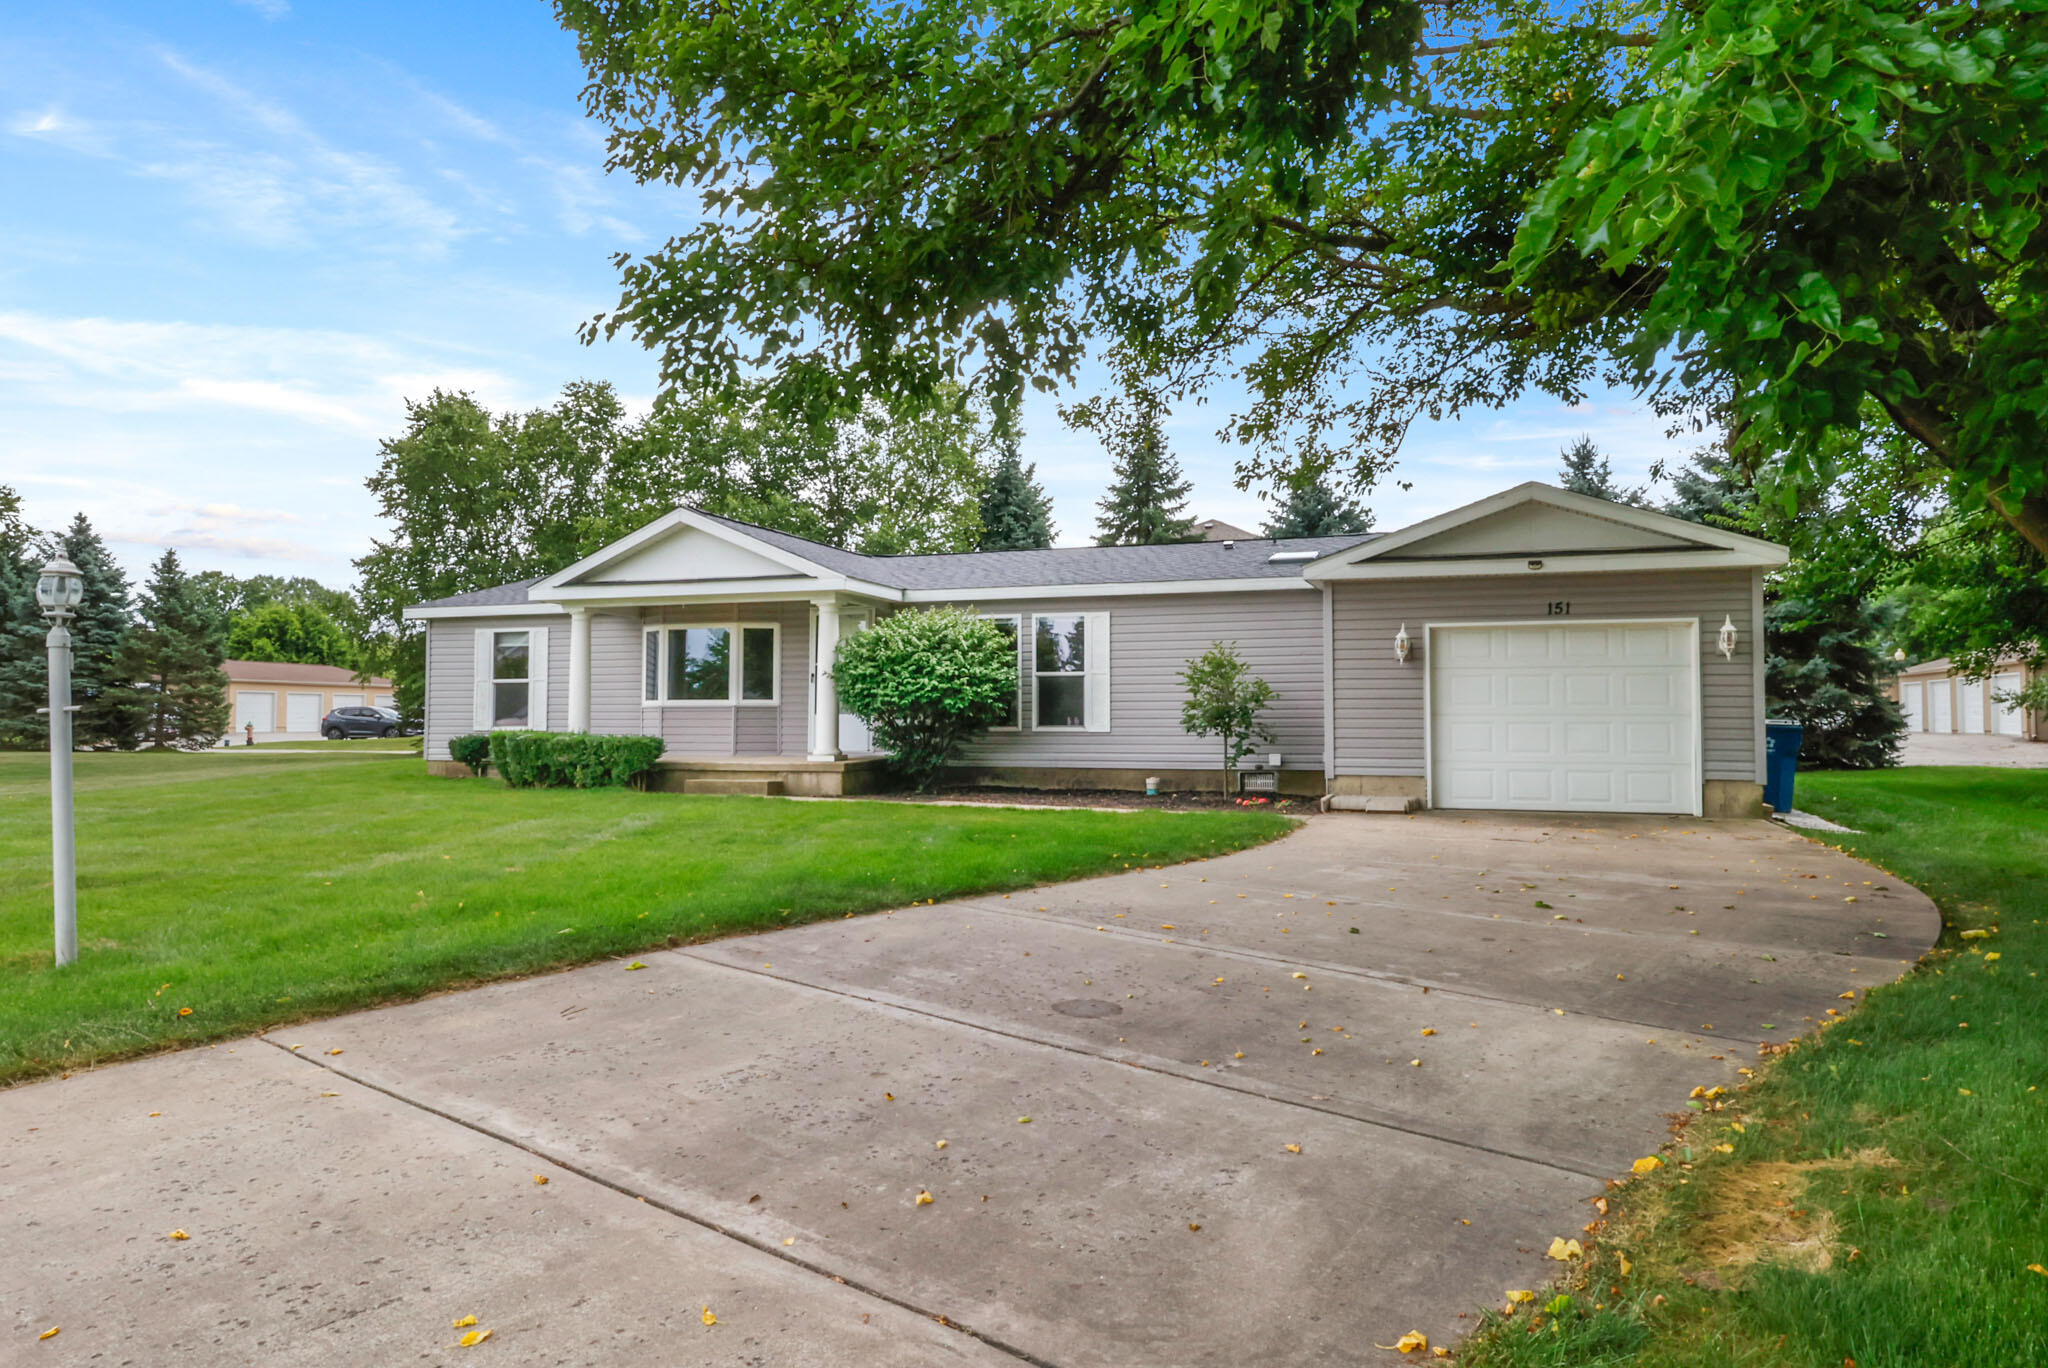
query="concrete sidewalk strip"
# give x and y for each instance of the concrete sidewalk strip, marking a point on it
(330, 1224)
(1133, 1218)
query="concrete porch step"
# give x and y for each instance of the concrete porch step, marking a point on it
(1351, 802)
(758, 788)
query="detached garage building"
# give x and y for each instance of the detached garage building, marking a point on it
(1538, 650)
(285, 702)
(1935, 697)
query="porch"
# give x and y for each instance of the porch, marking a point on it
(769, 775)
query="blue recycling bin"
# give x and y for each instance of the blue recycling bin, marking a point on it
(1781, 762)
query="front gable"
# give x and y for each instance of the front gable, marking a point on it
(1534, 527)
(680, 555)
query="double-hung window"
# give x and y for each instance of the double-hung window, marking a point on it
(722, 663)
(1013, 712)
(511, 678)
(1060, 667)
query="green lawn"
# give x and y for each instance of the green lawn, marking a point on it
(259, 890)
(360, 743)
(1908, 1145)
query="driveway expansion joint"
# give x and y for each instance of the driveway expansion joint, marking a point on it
(668, 1208)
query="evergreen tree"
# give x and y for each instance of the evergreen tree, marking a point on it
(110, 710)
(1315, 510)
(1016, 514)
(24, 681)
(1712, 489)
(174, 656)
(1586, 471)
(1146, 502)
(1824, 671)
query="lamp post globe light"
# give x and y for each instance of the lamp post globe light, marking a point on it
(60, 588)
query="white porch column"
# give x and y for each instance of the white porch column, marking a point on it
(579, 669)
(825, 693)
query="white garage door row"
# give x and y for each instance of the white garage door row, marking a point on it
(1582, 717)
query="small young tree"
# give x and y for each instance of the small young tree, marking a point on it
(1824, 672)
(1224, 700)
(926, 682)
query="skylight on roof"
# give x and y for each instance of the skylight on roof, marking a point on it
(1292, 556)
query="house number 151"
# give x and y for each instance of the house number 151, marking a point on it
(1558, 608)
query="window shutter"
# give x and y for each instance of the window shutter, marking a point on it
(537, 654)
(480, 708)
(1097, 651)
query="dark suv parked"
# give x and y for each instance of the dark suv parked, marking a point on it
(343, 723)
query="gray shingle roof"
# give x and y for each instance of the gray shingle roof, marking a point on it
(973, 570)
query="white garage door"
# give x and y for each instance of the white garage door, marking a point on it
(2004, 716)
(1591, 717)
(1939, 716)
(302, 712)
(1970, 703)
(259, 709)
(1913, 698)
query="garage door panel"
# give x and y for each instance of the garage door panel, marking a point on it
(1586, 717)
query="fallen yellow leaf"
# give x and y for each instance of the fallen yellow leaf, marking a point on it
(465, 1321)
(1563, 1250)
(1851, 994)
(179, 1235)
(1519, 1295)
(1294, 1149)
(1299, 976)
(636, 964)
(1992, 956)
(1649, 1163)
(1194, 1227)
(334, 1052)
(1724, 1149)
(540, 1180)
(184, 1011)
(941, 1145)
(49, 1332)
(1975, 935)
(924, 1198)
(1023, 1120)
(1415, 1063)
(709, 1319)
(1410, 1343)
(1626, 1267)
(2031, 1268)
(1429, 1030)
(474, 1338)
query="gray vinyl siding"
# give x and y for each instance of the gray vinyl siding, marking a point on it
(451, 674)
(1151, 639)
(1379, 701)
(716, 729)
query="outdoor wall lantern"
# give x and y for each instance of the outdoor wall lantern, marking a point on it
(1401, 646)
(59, 591)
(1727, 640)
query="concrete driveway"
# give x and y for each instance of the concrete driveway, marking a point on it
(1465, 1025)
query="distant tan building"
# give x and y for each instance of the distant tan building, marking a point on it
(285, 702)
(1215, 529)
(1936, 698)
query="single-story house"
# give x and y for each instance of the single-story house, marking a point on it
(1536, 650)
(285, 701)
(1935, 697)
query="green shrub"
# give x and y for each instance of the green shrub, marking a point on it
(536, 759)
(926, 682)
(473, 750)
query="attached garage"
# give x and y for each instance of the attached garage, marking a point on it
(1581, 717)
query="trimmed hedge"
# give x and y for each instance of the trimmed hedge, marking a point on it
(537, 759)
(473, 750)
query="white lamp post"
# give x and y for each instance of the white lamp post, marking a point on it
(59, 591)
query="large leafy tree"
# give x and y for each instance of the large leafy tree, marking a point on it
(173, 655)
(1369, 214)
(301, 632)
(1016, 513)
(1148, 495)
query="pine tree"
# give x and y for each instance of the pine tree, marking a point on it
(1586, 471)
(1146, 503)
(109, 707)
(1712, 489)
(1016, 514)
(24, 661)
(1316, 510)
(174, 655)
(1823, 671)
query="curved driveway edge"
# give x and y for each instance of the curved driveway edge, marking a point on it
(1281, 1104)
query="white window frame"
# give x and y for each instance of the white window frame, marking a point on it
(532, 641)
(1093, 674)
(1016, 620)
(736, 679)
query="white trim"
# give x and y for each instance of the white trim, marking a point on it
(579, 670)
(1084, 674)
(537, 679)
(1002, 593)
(1699, 690)
(668, 522)
(767, 589)
(1716, 546)
(735, 666)
(484, 679)
(1330, 682)
(1016, 620)
(1758, 648)
(483, 610)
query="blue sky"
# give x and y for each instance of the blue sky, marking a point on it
(238, 234)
